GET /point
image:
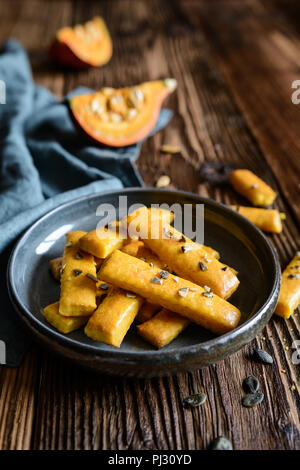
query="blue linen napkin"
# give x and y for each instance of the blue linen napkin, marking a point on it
(45, 161)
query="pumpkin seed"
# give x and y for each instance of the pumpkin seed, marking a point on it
(163, 181)
(209, 295)
(164, 274)
(156, 280)
(107, 91)
(186, 248)
(252, 399)
(254, 186)
(169, 149)
(168, 233)
(67, 245)
(206, 288)
(221, 443)
(77, 272)
(92, 277)
(203, 266)
(103, 286)
(131, 113)
(170, 83)
(251, 384)
(175, 279)
(183, 291)
(294, 276)
(130, 295)
(115, 117)
(262, 356)
(215, 172)
(194, 400)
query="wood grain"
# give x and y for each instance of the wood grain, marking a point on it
(234, 62)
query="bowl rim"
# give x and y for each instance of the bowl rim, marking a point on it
(143, 356)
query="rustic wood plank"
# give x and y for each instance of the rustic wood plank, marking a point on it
(74, 409)
(17, 404)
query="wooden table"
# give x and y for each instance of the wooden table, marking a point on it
(235, 61)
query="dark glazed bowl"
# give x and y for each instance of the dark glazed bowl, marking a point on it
(240, 243)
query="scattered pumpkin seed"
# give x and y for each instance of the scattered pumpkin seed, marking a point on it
(103, 286)
(67, 245)
(163, 181)
(164, 274)
(207, 288)
(130, 295)
(203, 266)
(175, 278)
(143, 259)
(77, 272)
(221, 443)
(251, 384)
(194, 400)
(183, 291)
(156, 280)
(254, 186)
(194, 289)
(62, 269)
(262, 356)
(151, 264)
(169, 149)
(215, 172)
(252, 399)
(92, 277)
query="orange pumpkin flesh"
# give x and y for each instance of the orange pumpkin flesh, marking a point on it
(118, 117)
(87, 45)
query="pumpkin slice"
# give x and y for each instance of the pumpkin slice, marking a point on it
(118, 117)
(85, 45)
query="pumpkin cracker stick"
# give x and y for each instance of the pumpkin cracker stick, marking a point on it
(112, 319)
(246, 183)
(163, 328)
(289, 297)
(55, 266)
(268, 220)
(78, 279)
(138, 249)
(190, 261)
(61, 323)
(174, 293)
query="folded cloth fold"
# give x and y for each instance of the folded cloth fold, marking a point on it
(45, 161)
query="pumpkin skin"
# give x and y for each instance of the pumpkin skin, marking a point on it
(83, 46)
(119, 117)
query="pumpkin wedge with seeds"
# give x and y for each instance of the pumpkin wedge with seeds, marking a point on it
(119, 117)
